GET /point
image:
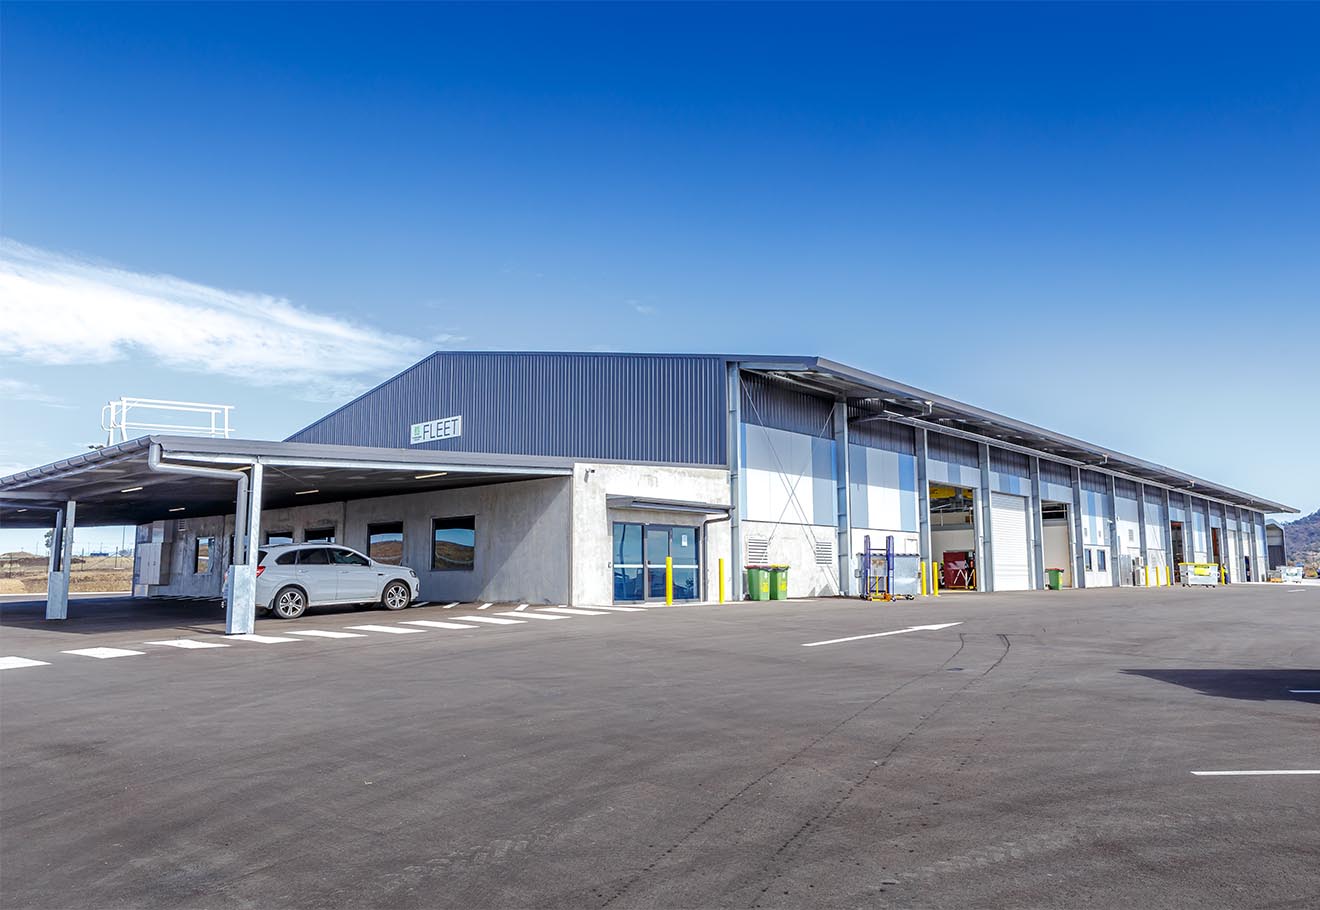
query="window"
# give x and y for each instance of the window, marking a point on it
(1100, 560)
(314, 556)
(287, 559)
(453, 544)
(385, 542)
(274, 538)
(347, 558)
(320, 535)
(1089, 566)
(202, 555)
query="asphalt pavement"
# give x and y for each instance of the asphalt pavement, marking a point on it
(1037, 753)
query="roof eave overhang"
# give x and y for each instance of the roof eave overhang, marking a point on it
(908, 404)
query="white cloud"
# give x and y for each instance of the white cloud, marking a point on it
(18, 390)
(59, 310)
(643, 308)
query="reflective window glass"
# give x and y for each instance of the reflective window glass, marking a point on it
(385, 542)
(627, 544)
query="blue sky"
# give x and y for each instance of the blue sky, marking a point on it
(273, 206)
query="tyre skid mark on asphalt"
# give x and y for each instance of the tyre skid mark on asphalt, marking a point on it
(798, 837)
(632, 880)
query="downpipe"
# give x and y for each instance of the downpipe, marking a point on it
(240, 620)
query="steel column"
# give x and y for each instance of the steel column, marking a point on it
(1141, 523)
(843, 489)
(733, 432)
(923, 501)
(1079, 561)
(61, 560)
(1037, 528)
(1115, 576)
(985, 551)
(241, 615)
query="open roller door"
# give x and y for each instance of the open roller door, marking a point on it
(1008, 525)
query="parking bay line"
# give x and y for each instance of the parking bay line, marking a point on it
(437, 624)
(261, 639)
(103, 653)
(322, 633)
(531, 615)
(450, 606)
(1305, 691)
(1252, 773)
(15, 663)
(493, 620)
(485, 606)
(392, 630)
(187, 643)
(574, 611)
(621, 609)
(836, 641)
(520, 608)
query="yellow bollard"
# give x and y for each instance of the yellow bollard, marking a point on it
(669, 581)
(1148, 576)
(721, 581)
(922, 564)
(934, 580)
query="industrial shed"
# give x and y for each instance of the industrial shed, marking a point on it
(574, 476)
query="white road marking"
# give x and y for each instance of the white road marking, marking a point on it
(520, 608)
(575, 611)
(450, 606)
(530, 615)
(261, 639)
(485, 606)
(437, 624)
(1249, 773)
(420, 603)
(187, 643)
(103, 653)
(321, 633)
(493, 620)
(14, 663)
(392, 630)
(1305, 691)
(621, 609)
(835, 641)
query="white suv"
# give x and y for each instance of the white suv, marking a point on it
(292, 577)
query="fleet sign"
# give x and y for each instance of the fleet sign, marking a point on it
(433, 430)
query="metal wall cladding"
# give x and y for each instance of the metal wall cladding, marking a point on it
(781, 406)
(611, 407)
(1126, 489)
(1154, 497)
(881, 434)
(953, 449)
(1095, 483)
(1006, 462)
(1054, 472)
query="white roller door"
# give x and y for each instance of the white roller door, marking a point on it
(1008, 525)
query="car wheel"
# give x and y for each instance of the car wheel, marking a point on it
(289, 603)
(396, 596)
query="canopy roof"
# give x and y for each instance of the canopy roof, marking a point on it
(116, 485)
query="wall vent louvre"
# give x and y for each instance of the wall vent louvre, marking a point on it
(824, 552)
(758, 551)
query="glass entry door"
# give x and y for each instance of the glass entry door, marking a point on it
(639, 561)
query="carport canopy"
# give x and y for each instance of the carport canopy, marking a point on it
(168, 477)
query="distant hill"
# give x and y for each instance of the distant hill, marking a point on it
(1302, 538)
